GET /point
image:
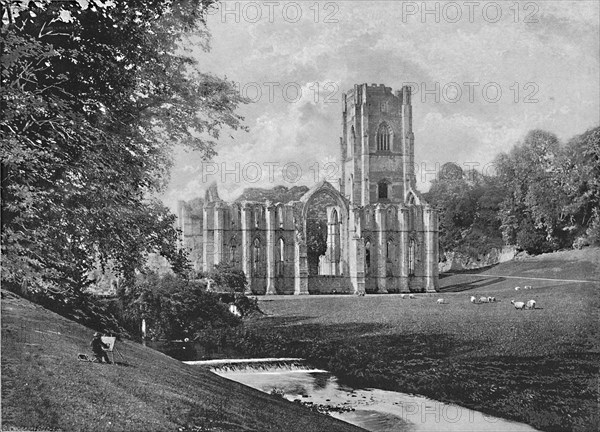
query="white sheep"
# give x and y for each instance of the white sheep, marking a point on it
(441, 301)
(491, 299)
(530, 304)
(483, 299)
(517, 288)
(411, 296)
(527, 287)
(402, 295)
(518, 305)
(473, 299)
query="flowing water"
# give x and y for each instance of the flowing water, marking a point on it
(372, 409)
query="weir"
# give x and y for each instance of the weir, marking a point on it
(373, 409)
(256, 365)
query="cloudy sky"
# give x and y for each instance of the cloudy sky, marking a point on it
(486, 73)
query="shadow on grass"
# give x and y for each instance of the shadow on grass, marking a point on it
(476, 284)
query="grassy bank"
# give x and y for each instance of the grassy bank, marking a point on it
(45, 387)
(534, 366)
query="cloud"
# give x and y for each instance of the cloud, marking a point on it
(553, 63)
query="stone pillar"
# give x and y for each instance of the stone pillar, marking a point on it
(301, 266)
(208, 248)
(403, 230)
(271, 220)
(431, 272)
(246, 224)
(356, 254)
(407, 141)
(381, 271)
(219, 221)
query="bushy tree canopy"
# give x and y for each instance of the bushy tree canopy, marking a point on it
(94, 97)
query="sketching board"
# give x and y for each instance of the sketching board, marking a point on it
(110, 341)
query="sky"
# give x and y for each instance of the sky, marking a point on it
(483, 73)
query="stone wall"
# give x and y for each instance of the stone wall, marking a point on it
(329, 285)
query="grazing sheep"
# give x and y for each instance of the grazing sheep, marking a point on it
(483, 300)
(473, 299)
(528, 287)
(491, 299)
(517, 288)
(440, 301)
(530, 304)
(402, 295)
(518, 305)
(411, 296)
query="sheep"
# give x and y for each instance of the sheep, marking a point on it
(441, 301)
(473, 299)
(530, 304)
(518, 305)
(411, 296)
(402, 295)
(483, 300)
(527, 287)
(491, 299)
(517, 288)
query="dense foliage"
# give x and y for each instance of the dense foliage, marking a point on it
(175, 308)
(94, 96)
(227, 278)
(544, 196)
(468, 205)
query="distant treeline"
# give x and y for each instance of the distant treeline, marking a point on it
(543, 196)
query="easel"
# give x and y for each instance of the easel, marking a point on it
(111, 342)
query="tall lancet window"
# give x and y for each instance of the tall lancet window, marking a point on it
(256, 261)
(368, 258)
(384, 137)
(411, 258)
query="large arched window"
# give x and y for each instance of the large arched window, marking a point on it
(384, 137)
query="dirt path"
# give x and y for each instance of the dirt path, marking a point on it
(524, 277)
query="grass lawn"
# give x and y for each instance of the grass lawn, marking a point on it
(535, 366)
(45, 387)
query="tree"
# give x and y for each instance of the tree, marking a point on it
(578, 173)
(94, 96)
(228, 277)
(531, 212)
(175, 308)
(467, 206)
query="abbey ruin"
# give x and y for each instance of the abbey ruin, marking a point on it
(380, 235)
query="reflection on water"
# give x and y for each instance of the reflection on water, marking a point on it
(372, 409)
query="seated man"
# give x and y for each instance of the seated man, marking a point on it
(98, 348)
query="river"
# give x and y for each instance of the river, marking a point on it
(373, 409)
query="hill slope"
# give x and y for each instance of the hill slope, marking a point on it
(45, 387)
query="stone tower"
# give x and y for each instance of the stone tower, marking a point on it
(377, 146)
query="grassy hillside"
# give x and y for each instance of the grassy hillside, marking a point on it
(535, 366)
(45, 387)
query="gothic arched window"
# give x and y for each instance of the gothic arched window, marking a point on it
(384, 137)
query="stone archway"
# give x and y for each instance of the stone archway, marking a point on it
(325, 228)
